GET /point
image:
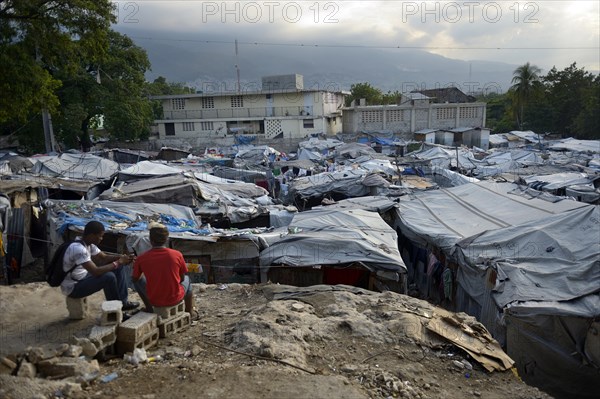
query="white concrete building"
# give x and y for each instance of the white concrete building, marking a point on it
(281, 109)
(415, 112)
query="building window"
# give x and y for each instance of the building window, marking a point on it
(395, 115)
(206, 126)
(188, 126)
(308, 123)
(446, 113)
(372, 116)
(178, 103)
(208, 102)
(169, 129)
(468, 112)
(237, 102)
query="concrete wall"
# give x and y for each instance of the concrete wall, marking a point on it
(411, 118)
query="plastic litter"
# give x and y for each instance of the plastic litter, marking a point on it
(109, 377)
(139, 356)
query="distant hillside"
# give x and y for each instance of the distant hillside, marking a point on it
(213, 65)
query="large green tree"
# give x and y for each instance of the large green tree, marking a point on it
(525, 83)
(96, 74)
(573, 96)
(40, 37)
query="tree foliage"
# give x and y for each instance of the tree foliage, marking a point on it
(525, 84)
(40, 37)
(78, 68)
(372, 95)
(160, 87)
(564, 102)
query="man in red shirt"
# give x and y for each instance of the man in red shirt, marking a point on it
(159, 274)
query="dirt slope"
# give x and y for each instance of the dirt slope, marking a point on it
(343, 343)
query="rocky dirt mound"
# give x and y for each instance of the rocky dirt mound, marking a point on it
(276, 341)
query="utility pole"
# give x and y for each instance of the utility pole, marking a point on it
(237, 67)
(48, 133)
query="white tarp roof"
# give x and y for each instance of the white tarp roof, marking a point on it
(146, 169)
(526, 135)
(75, 166)
(337, 237)
(446, 216)
(315, 144)
(557, 180)
(572, 144)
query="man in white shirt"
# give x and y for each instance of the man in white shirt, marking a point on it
(87, 277)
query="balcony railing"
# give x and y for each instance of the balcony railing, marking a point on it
(224, 113)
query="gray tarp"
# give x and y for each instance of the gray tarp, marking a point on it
(543, 257)
(337, 237)
(558, 180)
(556, 258)
(572, 144)
(348, 183)
(75, 166)
(319, 146)
(374, 204)
(235, 187)
(146, 169)
(211, 198)
(248, 176)
(444, 217)
(173, 189)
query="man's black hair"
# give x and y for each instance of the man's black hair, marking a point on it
(93, 227)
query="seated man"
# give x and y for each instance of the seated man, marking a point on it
(86, 278)
(164, 281)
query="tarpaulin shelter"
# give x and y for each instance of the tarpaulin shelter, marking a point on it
(337, 238)
(527, 268)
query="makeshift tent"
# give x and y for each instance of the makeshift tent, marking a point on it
(337, 237)
(502, 247)
(74, 166)
(547, 292)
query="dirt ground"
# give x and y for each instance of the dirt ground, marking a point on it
(326, 345)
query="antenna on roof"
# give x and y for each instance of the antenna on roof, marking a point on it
(237, 67)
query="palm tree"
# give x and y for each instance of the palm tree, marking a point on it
(525, 82)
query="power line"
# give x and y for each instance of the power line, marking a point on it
(365, 46)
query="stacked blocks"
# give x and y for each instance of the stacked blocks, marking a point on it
(77, 307)
(171, 319)
(140, 331)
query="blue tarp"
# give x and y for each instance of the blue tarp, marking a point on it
(106, 216)
(244, 139)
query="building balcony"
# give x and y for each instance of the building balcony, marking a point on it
(239, 113)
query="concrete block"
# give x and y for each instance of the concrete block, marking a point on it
(103, 336)
(168, 312)
(174, 325)
(88, 348)
(78, 308)
(63, 367)
(138, 326)
(26, 369)
(145, 342)
(38, 353)
(112, 313)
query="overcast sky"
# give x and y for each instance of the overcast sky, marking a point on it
(545, 33)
